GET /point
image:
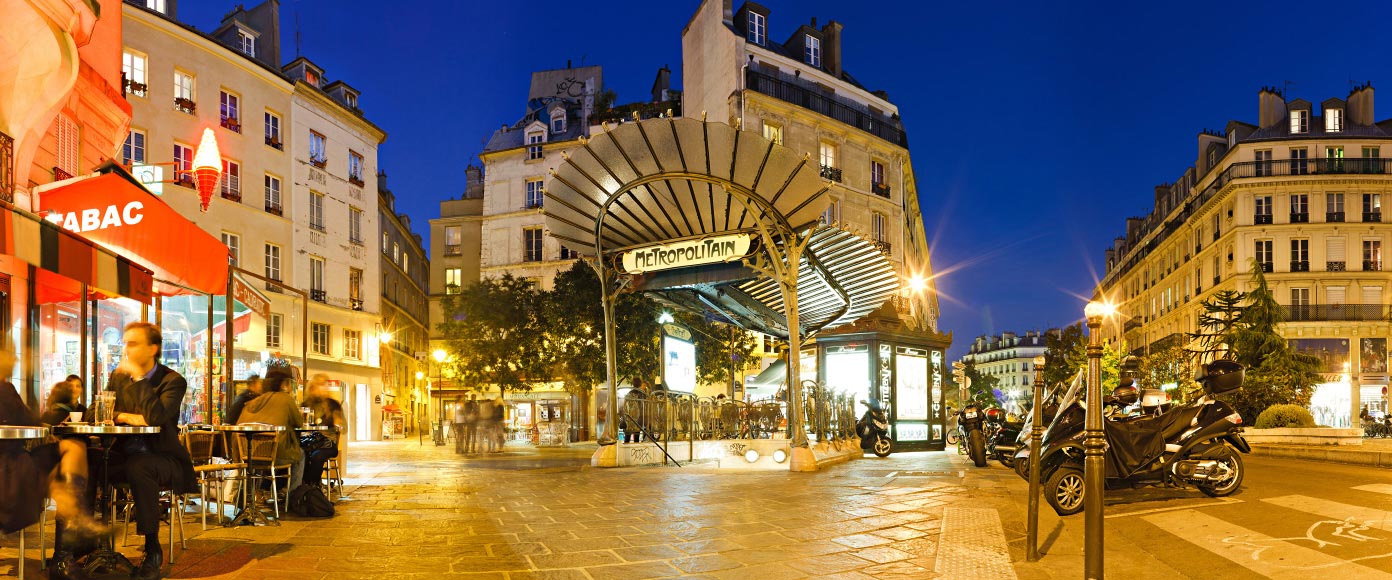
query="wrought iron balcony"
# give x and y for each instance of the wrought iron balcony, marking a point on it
(274, 208)
(1334, 216)
(1372, 216)
(1300, 266)
(319, 296)
(832, 173)
(355, 180)
(356, 241)
(1372, 265)
(232, 124)
(1261, 218)
(454, 250)
(7, 177)
(1300, 218)
(275, 142)
(356, 303)
(1336, 312)
(885, 247)
(320, 161)
(318, 227)
(1268, 267)
(849, 112)
(880, 189)
(230, 195)
(1334, 266)
(185, 105)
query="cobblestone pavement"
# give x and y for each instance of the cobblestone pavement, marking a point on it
(423, 512)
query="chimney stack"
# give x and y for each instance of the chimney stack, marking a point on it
(1271, 107)
(831, 48)
(1360, 105)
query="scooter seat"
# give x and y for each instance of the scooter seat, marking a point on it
(1178, 421)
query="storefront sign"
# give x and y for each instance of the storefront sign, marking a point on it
(688, 253)
(677, 331)
(93, 219)
(251, 298)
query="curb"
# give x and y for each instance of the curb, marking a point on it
(1326, 453)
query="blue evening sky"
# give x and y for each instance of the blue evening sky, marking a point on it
(1036, 128)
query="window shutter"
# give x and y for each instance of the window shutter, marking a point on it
(1334, 295)
(1334, 249)
(1372, 294)
(66, 154)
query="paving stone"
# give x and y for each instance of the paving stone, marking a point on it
(861, 540)
(574, 559)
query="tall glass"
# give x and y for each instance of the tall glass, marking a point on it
(106, 407)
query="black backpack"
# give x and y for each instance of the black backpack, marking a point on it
(308, 501)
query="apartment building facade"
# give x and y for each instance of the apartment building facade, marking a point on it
(1009, 357)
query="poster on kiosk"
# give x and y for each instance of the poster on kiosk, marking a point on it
(678, 359)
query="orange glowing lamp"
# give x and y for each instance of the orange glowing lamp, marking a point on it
(207, 167)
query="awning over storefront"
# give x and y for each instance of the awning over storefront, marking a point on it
(66, 261)
(115, 211)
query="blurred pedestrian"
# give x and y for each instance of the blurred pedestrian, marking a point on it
(253, 390)
(496, 425)
(471, 425)
(485, 424)
(457, 425)
(275, 406)
(327, 412)
(79, 393)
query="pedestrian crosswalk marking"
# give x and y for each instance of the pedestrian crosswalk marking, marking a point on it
(1367, 517)
(1275, 558)
(1385, 488)
(1215, 503)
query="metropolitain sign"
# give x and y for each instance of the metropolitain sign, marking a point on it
(711, 250)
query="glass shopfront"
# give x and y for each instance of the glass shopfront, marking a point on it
(904, 374)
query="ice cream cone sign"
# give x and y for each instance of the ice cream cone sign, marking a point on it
(207, 167)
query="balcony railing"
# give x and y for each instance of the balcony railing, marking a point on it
(355, 180)
(356, 241)
(274, 208)
(275, 142)
(880, 189)
(1268, 267)
(1335, 312)
(232, 124)
(832, 173)
(1300, 266)
(319, 296)
(356, 303)
(885, 247)
(185, 105)
(1261, 218)
(1300, 218)
(454, 250)
(316, 227)
(1334, 266)
(7, 177)
(232, 195)
(1334, 216)
(319, 162)
(1372, 265)
(1372, 216)
(848, 112)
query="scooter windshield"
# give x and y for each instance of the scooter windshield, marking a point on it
(1071, 396)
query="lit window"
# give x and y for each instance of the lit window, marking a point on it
(534, 141)
(248, 43)
(876, 173)
(133, 152)
(531, 244)
(758, 28)
(1299, 121)
(273, 130)
(534, 193)
(1334, 120)
(273, 194)
(316, 274)
(134, 66)
(156, 5)
(317, 152)
(352, 343)
(231, 180)
(273, 326)
(273, 261)
(355, 166)
(183, 91)
(454, 280)
(319, 338)
(773, 132)
(812, 51)
(828, 154)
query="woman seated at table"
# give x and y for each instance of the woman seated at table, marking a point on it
(328, 413)
(277, 407)
(62, 465)
(62, 403)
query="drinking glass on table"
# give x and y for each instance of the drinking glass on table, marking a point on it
(106, 407)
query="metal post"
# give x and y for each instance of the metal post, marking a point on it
(208, 368)
(1036, 439)
(1094, 446)
(611, 358)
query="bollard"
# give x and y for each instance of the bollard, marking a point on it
(1036, 437)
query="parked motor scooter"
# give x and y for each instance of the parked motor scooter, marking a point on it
(873, 429)
(1003, 430)
(969, 419)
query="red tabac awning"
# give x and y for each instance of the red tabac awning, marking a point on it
(65, 261)
(240, 324)
(114, 211)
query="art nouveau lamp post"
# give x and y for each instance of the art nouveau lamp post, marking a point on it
(1094, 444)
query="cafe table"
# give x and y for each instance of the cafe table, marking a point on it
(250, 512)
(9, 433)
(106, 558)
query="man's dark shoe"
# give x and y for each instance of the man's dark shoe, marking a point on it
(151, 567)
(63, 567)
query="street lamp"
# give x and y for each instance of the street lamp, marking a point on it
(1036, 438)
(440, 355)
(1094, 443)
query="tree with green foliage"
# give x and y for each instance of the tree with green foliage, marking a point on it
(576, 327)
(1061, 359)
(494, 332)
(1221, 316)
(720, 349)
(1276, 373)
(1171, 365)
(981, 387)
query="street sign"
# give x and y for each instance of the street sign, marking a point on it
(709, 250)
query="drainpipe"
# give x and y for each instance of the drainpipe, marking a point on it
(744, 87)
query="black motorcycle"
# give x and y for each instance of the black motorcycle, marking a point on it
(873, 428)
(970, 420)
(1002, 433)
(1196, 444)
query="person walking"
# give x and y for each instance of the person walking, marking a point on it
(471, 425)
(457, 425)
(496, 425)
(329, 413)
(485, 425)
(634, 401)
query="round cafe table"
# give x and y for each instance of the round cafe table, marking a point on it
(250, 512)
(106, 558)
(8, 433)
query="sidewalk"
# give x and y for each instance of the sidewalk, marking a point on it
(1372, 453)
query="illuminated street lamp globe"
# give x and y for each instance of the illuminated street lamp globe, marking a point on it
(1095, 310)
(439, 355)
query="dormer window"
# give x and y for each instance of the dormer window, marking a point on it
(247, 43)
(1299, 122)
(534, 141)
(558, 122)
(758, 28)
(311, 77)
(350, 99)
(1333, 120)
(1232, 139)
(812, 51)
(156, 5)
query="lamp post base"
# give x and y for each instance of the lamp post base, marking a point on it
(802, 459)
(605, 456)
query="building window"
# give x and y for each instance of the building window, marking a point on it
(1264, 254)
(1299, 161)
(454, 280)
(531, 244)
(454, 238)
(248, 43)
(316, 275)
(273, 262)
(406, 263)
(67, 156)
(1299, 122)
(134, 66)
(1372, 255)
(1372, 152)
(534, 193)
(183, 165)
(827, 152)
(558, 122)
(133, 152)
(183, 92)
(316, 211)
(311, 77)
(534, 141)
(1334, 254)
(352, 344)
(1300, 303)
(1334, 158)
(319, 338)
(273, 194)
(273, 130)
(1333, 120)
(396, 253)
(1263, 210)
(877, 227)
(273, 326)
(355, 168)
(1299, 208)
(1334, 207)
(812, 50)
(876, 173)
(318, 155)
(758, 28)
(156, 5)
(832, 215)
(355, 216)
(386, 241)
(569, 254)
(231, 111)
(773, 132)
(234, 247)
(1372, 207)
(231, 180)
(1300, 255)
(1263, 162)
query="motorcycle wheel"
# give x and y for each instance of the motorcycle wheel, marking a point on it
(1007, 460)
(976, 445)
(1064, 490)
(1022, 468)
(1232, 483)
(883, 446)
(953, 437)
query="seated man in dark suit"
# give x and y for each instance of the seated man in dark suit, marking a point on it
(149, 393)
